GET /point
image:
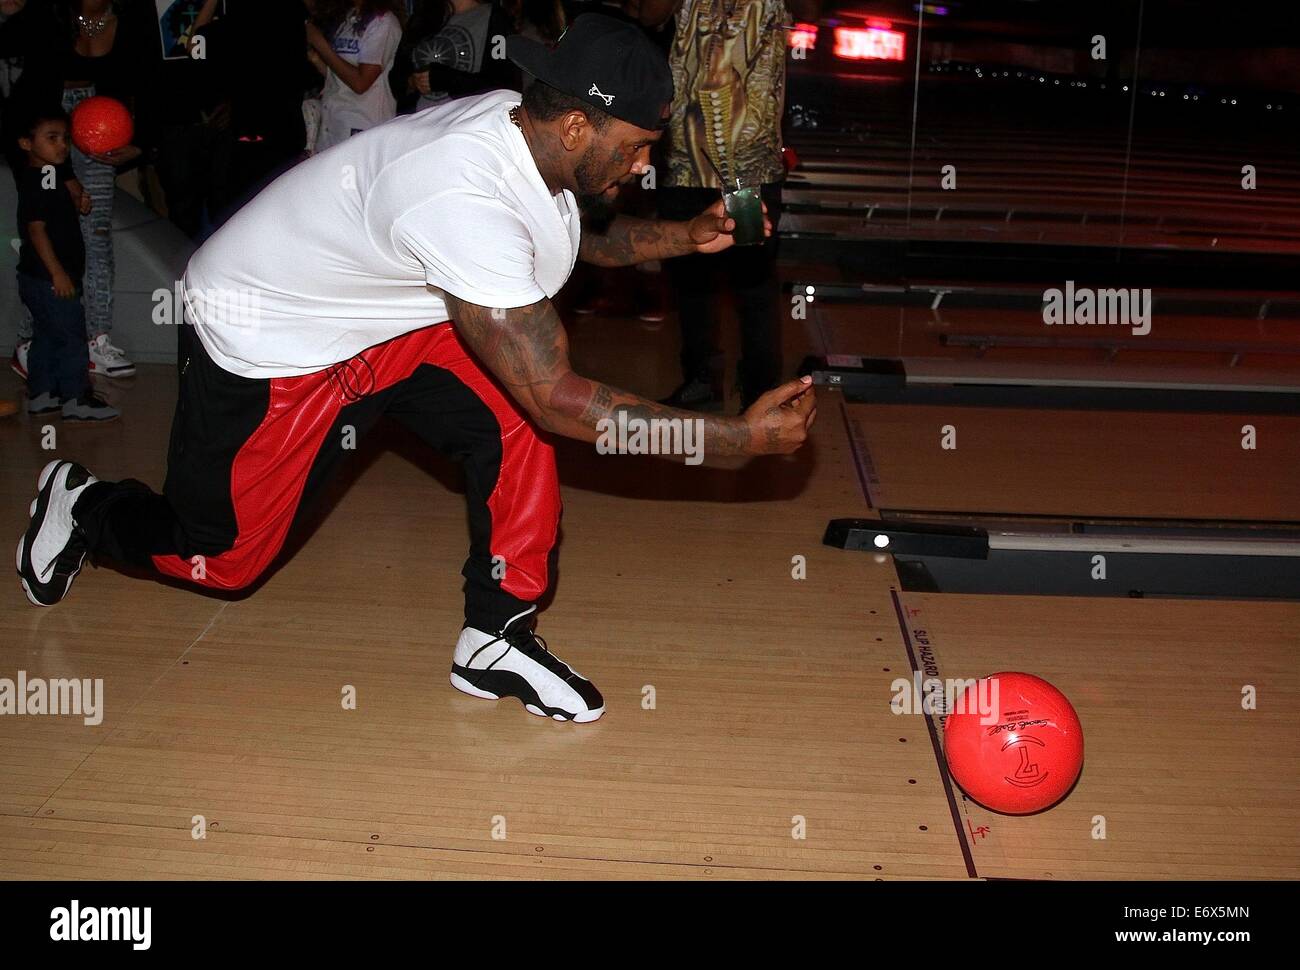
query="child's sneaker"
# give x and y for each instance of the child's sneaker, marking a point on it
(89, 408)
(45, 403)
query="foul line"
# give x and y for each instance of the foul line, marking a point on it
(936, 745)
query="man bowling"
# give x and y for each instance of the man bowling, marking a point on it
(409, 272)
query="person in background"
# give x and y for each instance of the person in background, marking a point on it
(50, 266)
(73, 50)
(540, 20)
(353, 44)
(447, 53)
(729, 69)
(186, 115)
(262, 69)
(426, 19)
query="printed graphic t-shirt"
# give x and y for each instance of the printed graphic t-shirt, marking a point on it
(357, 245)
(343, 111)
(729, 82)
(458, 56)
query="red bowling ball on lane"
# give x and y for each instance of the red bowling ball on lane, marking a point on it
(1027, 757)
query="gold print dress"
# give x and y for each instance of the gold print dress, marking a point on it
(728, 64)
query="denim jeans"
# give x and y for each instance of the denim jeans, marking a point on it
(58, 358)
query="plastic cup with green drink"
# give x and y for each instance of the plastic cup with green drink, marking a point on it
(744, 203)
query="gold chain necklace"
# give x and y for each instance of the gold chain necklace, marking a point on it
(514, 116)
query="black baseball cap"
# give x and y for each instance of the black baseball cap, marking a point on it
(611, 64)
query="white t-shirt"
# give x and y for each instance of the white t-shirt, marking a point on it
(343, 111)
(354, 246)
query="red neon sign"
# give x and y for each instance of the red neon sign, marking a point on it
(871, 44)
(803, 35)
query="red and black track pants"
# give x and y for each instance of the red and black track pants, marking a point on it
(247, 456)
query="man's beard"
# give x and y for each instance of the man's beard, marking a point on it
(597, 211)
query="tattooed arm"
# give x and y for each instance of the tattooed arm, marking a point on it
(527, 350)
(629, 240)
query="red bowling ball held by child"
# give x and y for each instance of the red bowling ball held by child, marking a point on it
(101, 125)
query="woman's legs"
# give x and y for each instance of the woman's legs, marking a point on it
(98, 180)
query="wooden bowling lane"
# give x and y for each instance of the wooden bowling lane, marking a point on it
(1157, 464)
(98, 850)
(1180, 779)
(1171, 777)
(1081, 463)
(105, 634)
(770, 715)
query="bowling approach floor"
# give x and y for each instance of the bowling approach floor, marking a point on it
(745, 707)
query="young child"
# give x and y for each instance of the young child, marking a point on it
(50, 266)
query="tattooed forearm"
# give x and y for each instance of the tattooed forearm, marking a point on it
(629, 240)
(527, 351)
(599, 406)
(583, 403)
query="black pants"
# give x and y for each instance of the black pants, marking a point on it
(749, 272)
(247, 456)
(194, 166)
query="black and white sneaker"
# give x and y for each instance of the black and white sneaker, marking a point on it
(516, 663)
(52, 549)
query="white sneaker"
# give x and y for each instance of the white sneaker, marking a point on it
(107, 360)
(516, 663)
(52, 549)
(18, 363)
